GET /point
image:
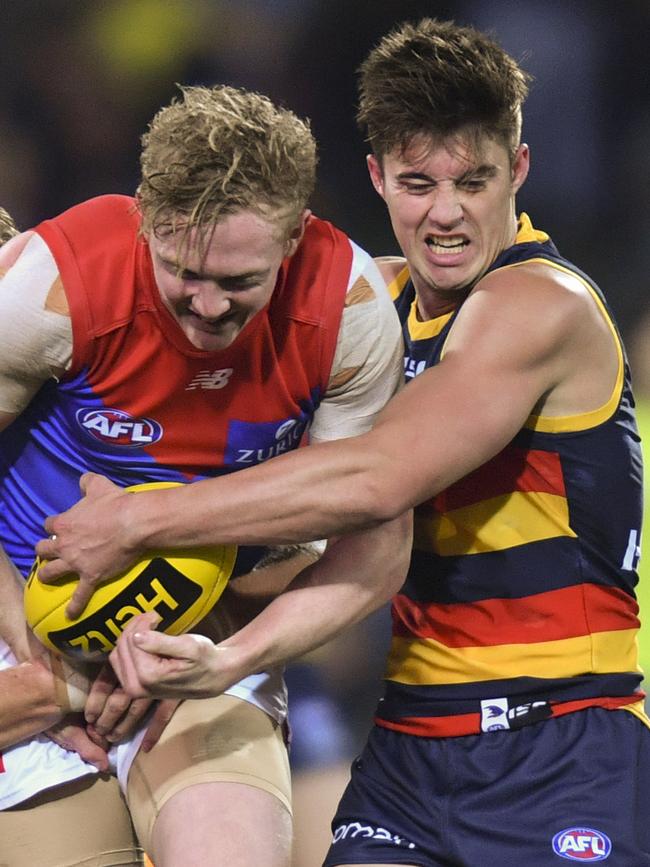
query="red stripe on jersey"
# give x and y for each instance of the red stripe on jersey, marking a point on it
(551, 616)
(435, 727)
(564, 707)
(513, 469)
(470, 723)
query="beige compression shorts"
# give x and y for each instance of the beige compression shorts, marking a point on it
(222, 739)
(84, 823)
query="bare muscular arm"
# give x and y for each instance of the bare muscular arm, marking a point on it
(355, 576)
(522, 343)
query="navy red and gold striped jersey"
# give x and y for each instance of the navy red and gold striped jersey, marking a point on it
(519, 603)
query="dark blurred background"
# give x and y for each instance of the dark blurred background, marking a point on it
(82, 78)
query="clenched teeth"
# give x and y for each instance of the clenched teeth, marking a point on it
(446, 245)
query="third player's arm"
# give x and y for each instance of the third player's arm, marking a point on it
(355, 576)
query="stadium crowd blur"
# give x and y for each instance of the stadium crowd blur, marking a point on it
(81, 79)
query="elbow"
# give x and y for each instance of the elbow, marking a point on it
(404, 525)
(374, 492)
(383, 501)
(396, 556)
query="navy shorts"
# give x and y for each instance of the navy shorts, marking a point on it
(573, 788)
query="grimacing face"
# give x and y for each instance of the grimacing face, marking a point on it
(215, 295)
(452, 208)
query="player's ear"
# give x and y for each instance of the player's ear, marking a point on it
(295, 235)
(520, 167)
(376, 174)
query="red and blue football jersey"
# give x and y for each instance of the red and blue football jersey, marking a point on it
(141, 403)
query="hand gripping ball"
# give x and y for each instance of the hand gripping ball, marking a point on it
(181, 586)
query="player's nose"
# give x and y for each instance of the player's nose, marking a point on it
(446, 210)
(211, 303)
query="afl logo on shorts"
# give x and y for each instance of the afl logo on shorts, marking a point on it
(116, 428)
(582, 844)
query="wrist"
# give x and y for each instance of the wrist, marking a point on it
(227, 666)
(39, 705)
(238, 658)
(146, 523)
(71, 685)
(137, 528)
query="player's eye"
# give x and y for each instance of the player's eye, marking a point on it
(189, 275)
(417, 187)
(473, 185)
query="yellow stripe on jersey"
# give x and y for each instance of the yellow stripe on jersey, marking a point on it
(494, 524)
(419, 662)
(397, 284)
(422, 330)
(417, 329)
(585, 420)
(527, 233)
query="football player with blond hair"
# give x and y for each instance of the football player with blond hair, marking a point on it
(207, 324)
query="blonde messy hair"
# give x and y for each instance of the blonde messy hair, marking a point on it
(7, 227)
(218, 150)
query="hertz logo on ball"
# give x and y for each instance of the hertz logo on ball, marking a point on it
(181, 586)
(159, 587)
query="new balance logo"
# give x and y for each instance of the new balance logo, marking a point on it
(211, 379)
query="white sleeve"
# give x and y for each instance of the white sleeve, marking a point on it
(368, 362)
(35, 326)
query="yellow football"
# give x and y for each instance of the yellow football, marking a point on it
(181, 586)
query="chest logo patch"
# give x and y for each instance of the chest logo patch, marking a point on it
(211, 379)
(117, 428)
(251, 443)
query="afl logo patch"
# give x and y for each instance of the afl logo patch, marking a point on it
(117, 428)
(251, 443)
(582, 844)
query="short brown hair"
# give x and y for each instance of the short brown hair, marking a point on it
(7, 226)
(218, 150)
(437, 79)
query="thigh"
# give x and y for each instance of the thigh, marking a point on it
(222, 823)
(572, 788)
(84, 822)
(223, 759)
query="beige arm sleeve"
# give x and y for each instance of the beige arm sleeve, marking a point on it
(368, 362)
(71, 684)
(35, 327)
